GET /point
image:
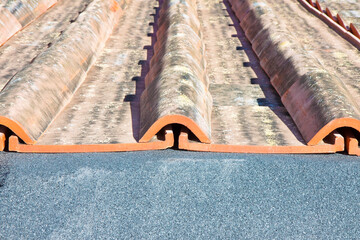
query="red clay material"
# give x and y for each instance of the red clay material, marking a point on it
(17, 128)
(175, 119)
(177, 85)
(48, 84)
(317, 101)
(349, 10)
(352, 143)
(105, 108)
(2, 138)
(15, 15)
(268, 86)
(164, 140)
(92, 122)
(27, 44)
(334, 143)
(349, 33)
(354, 30)
(9, 25)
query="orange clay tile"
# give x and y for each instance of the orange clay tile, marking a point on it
(24, 13)
(2, 141)
(176, 87)
(336, 23)
(164, 140)
(354, 30)
(211, 88)
(333, 143)
(315, 97)
(318, 6)
(49, 82)
(351, 142)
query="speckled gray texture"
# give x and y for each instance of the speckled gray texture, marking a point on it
(172, 195)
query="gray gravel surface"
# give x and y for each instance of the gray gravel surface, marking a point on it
(179, 195)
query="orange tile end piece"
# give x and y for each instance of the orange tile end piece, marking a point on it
(352, 143)
(174, 119)
(335, 143)
(2, 141)
(332, 126)
(166, 141)
(17, 128)
(11, 25)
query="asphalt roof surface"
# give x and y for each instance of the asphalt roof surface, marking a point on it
(179, 195)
